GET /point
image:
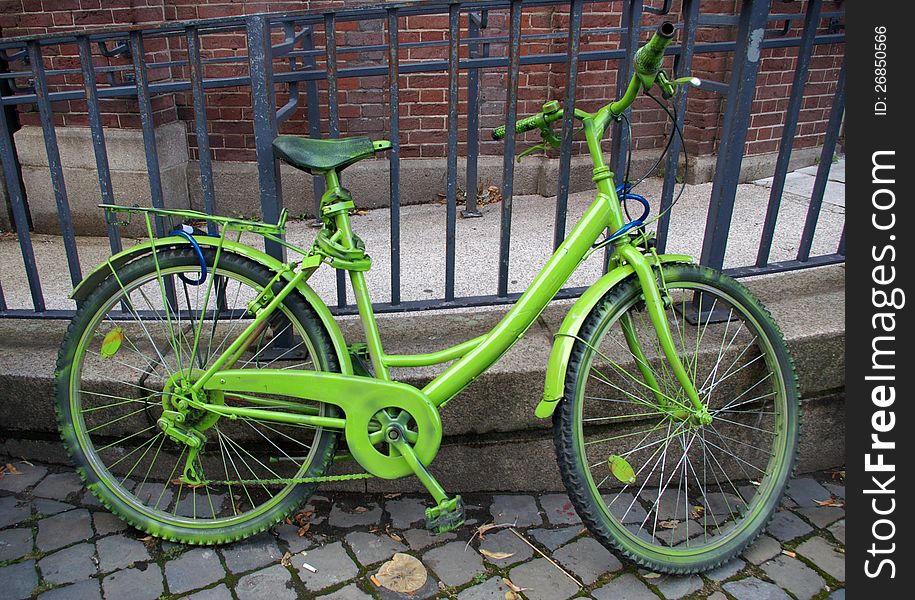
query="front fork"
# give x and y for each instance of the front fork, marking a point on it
(654, 303)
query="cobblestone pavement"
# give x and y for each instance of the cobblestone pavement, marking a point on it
(57, 542)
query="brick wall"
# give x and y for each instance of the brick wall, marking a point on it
(363, 101)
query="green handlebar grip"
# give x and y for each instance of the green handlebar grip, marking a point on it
(551, 113)
(648, 58)
(521, 125)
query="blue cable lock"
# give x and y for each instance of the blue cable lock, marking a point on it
(185, 231)
(624, 194)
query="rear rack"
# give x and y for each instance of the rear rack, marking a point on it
(121, 215)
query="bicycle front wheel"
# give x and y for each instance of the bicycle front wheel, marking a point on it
(132, 351)
(668, 491)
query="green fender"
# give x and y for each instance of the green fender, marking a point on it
(92, 280)
(564, 339)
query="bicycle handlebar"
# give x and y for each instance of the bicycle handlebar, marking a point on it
(648, 60)
(550, 114)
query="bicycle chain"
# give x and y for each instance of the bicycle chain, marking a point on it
(321, 479)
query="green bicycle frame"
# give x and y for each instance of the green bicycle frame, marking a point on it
(473, 357)
(363, 398)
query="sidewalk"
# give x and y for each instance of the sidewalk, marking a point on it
(477, 241)
(57, 542)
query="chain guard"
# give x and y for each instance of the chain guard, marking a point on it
(428, 426)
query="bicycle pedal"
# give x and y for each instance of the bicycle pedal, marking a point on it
(447, 516)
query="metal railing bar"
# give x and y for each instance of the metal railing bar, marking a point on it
(474, 24)
(619, 142)
(97, 132)
(394, 157)
(330, 49)
(16, 195)
(789, 128)
(822, 176)
(296, 49)
(407, 69)
(263, 107)
(147, 125)
(632, 13)
(683, 66)
(288, 109)
(483, 301)
(787, 265)
(341, 50)
(204, 160)
(734, 132)
(314, 126)
(508, 157)
(568, 122)
(454, 34)
(315, 17)
(55, 166)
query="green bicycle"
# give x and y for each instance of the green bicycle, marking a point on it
(204, 390)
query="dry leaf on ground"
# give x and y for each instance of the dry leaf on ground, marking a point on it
(512, 586)
(830, 502)
(496, 555)
(403, 574)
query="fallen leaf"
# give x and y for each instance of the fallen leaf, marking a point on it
(112, 342)
(360, 509)
(621, 469)
(285, 561)
(392, 495)
(672, 524)
(789, 553)
(830, 502)
(180, 483)
(496, 555)
(394, 536)
(12, 470)
(697, 512)
(303, 529)
(403, 574)
(512, 586)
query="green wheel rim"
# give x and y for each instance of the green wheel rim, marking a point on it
(684, 554)
(153, 518)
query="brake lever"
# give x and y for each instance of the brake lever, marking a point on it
(669, 87)
(550, 140)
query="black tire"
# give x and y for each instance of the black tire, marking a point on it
(86, 456)
(641, 546)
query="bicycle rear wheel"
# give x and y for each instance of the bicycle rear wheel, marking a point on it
(144, 335)
(667, 491)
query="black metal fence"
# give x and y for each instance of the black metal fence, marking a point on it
(290, 37)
